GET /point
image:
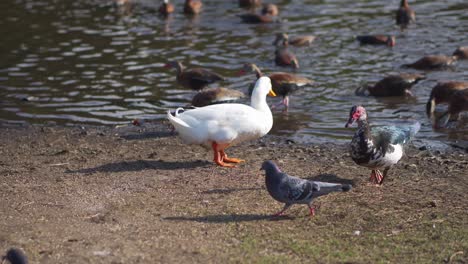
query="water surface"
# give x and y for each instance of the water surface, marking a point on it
(92, 62)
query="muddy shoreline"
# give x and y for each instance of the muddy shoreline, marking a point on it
(138, 195)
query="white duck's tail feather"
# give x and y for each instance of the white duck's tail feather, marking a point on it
(175, 121)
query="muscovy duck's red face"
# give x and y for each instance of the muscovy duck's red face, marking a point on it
(357, 112)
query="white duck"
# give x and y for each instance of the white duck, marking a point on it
(223, 125)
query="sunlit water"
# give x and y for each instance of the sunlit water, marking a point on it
(91, 62)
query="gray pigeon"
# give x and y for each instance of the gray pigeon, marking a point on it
(14, 256)
(293, 190)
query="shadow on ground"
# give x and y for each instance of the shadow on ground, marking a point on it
(139, 165)
(332, 178)
(228, 191)
(229, 218)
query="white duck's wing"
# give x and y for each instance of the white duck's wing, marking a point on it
(223, 123)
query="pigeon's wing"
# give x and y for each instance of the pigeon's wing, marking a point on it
(296, 189)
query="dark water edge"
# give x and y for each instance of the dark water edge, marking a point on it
(89, 62)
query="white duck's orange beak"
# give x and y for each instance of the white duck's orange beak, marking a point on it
(271, 93)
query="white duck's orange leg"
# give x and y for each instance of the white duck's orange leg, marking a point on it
(219, 155)
(230, 160)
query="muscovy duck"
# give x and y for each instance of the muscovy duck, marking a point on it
(378, 147)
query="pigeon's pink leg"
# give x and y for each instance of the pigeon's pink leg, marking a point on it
(280, 213)
(218, 157)
(312, 210)
(373, 178)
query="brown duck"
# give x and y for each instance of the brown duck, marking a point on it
(432, 62)
(220, 95)
(282, 83)
(377, 40)
(166, 8)
(270, 9)
(392, 85)
(283, 57)
(250, 3)
(192, 7)
(461, 53)
(296, 41)
(405, 15)
(457, 104)
(442, 93)
(196, 78)
(268, 15)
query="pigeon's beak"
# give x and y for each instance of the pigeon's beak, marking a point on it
(271, 93)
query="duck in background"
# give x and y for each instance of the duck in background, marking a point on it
(298, 41)
(270, 9)
(220, 126)
(442, 93)
(378, 147)
(192, 7)
(250, 3)
(457, 104)
(219, 95)
(284, 57)
(392, 85)
(388, 40)
(166, 8)
(268, 14)
(283, 83)
(432, 62)
(461, 53)
(195, 78)
(405, 15)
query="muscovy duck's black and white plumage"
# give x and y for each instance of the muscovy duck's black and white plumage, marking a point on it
(378, 147)
(293, 190)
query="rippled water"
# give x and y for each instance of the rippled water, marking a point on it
(91, 62)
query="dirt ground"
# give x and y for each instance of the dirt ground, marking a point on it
(138, 195)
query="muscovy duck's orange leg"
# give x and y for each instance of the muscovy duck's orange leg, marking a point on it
(378, 177)
(218, 150)
(229, 160)
(384, 175)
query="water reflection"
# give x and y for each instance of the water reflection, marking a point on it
(96, 62)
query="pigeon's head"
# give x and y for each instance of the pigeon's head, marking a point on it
(270, 167)
(357, 113)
